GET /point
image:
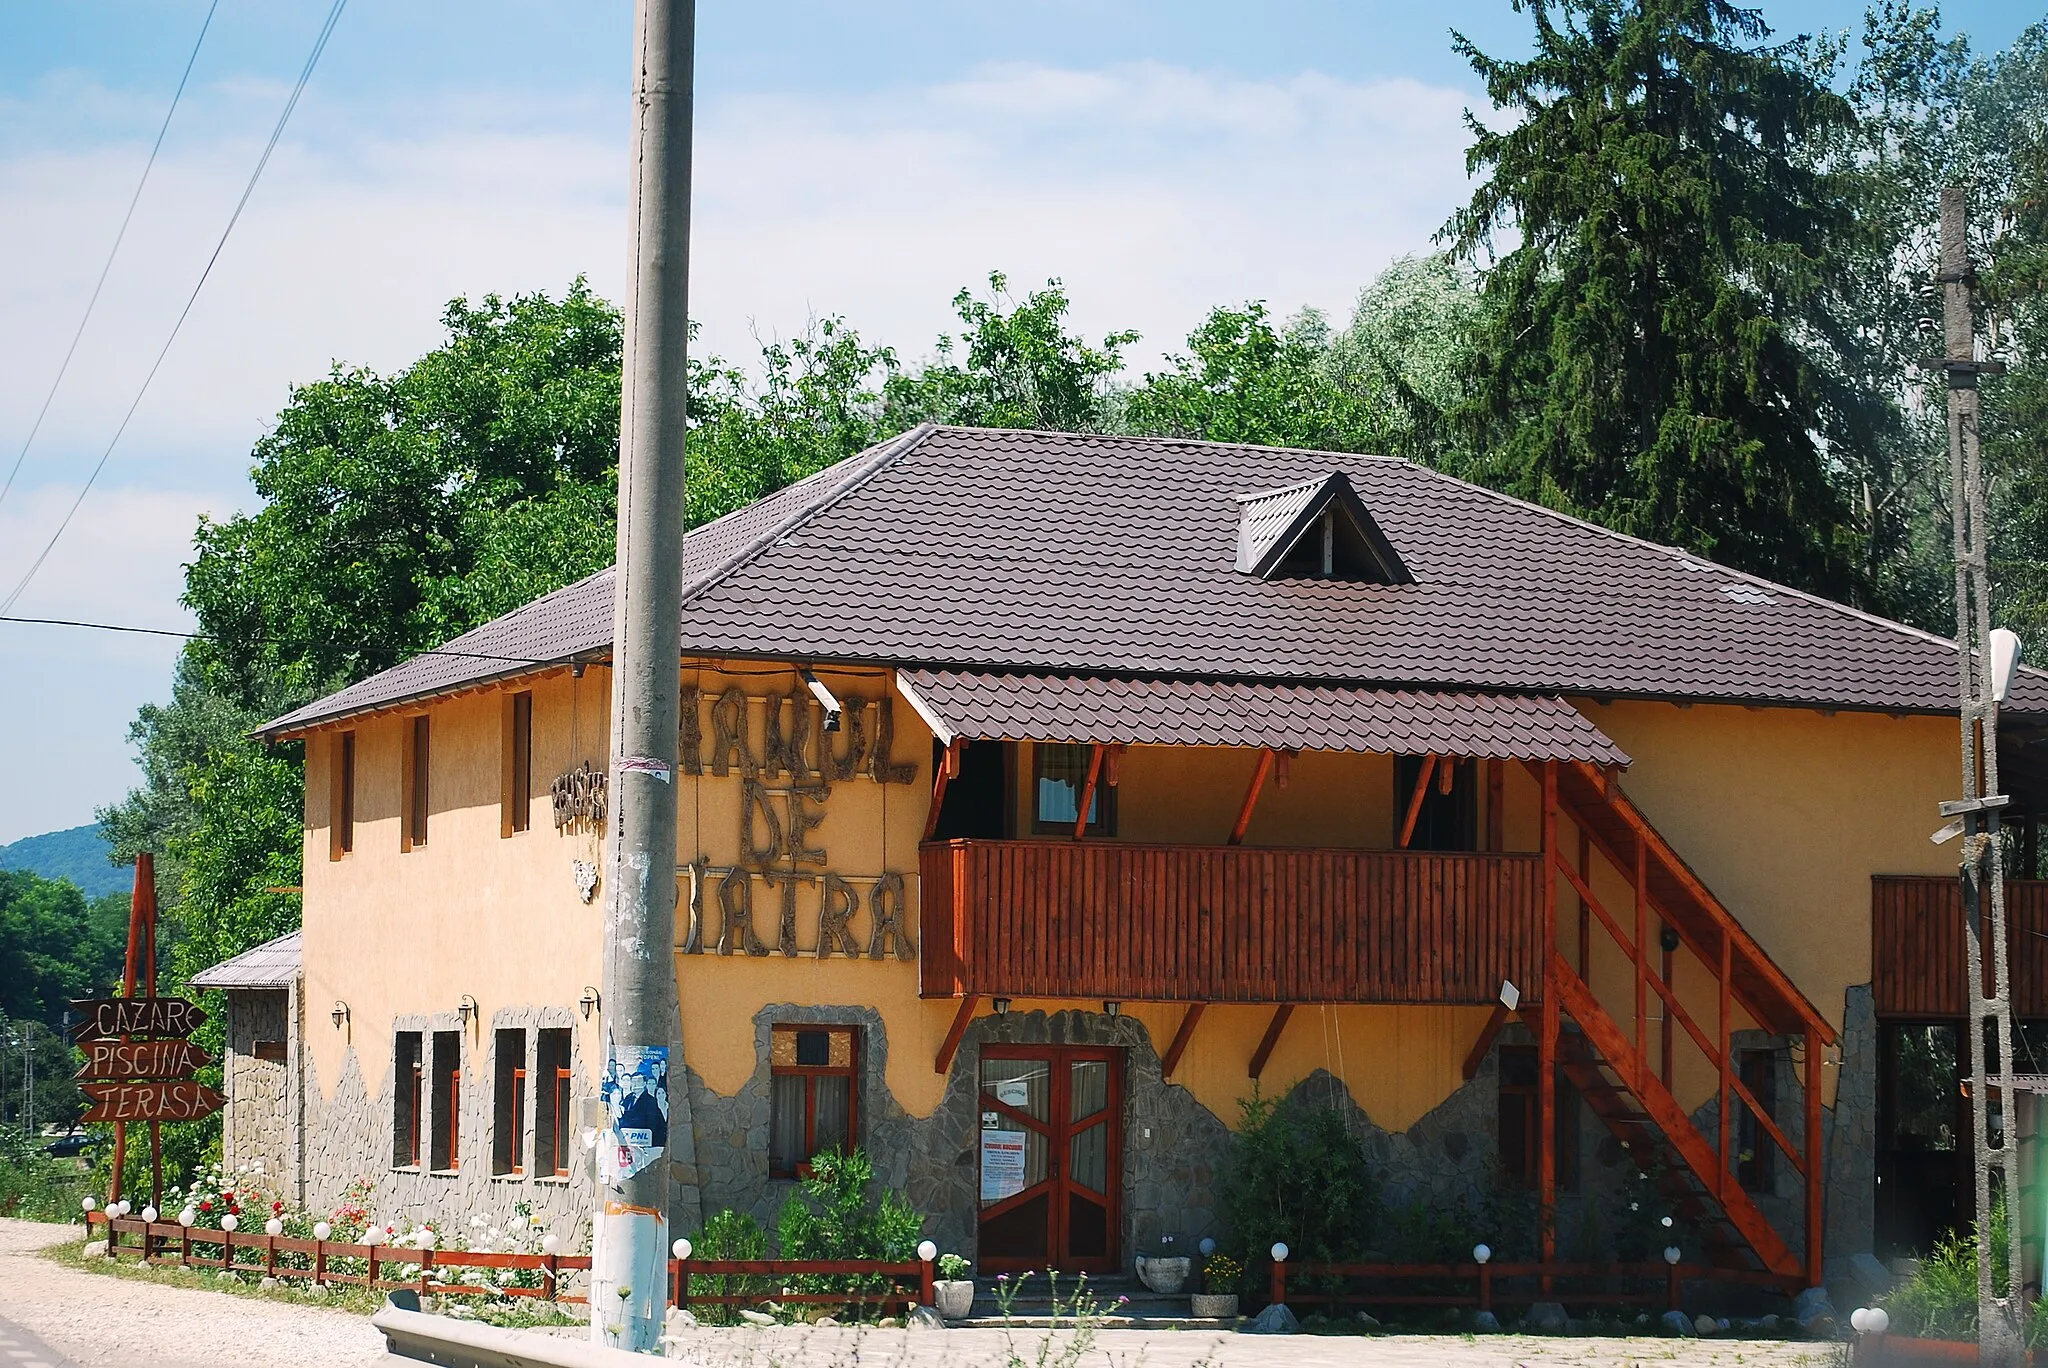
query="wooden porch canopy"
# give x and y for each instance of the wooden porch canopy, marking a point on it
(1108, 711)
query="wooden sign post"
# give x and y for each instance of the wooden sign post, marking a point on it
(138, 1063)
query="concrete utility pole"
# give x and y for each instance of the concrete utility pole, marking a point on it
(1983, 858)
(629, 1282)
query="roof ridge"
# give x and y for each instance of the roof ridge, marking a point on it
(881, 456)
(1693, 558)
(1147, 439)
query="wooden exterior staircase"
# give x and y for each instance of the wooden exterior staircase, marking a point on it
(1607, 1056)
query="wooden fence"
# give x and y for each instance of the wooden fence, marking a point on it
(878, 1283)
(1478, 1285)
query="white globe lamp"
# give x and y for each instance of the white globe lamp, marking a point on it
(229, 1222)
(1279, 1252)
(927, 1251)
(273, 1227)
(1481, 1253)
(321, 1230)
(149, 1214)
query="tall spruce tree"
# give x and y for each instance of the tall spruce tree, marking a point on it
(1659, 352)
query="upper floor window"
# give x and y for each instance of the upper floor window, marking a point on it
(341, 826)
(1059, 776)
(517, 801)
(416, 792)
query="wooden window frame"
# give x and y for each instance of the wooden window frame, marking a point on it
(557, 1082)
(408, 1082)
(515, 802)
(508, 1102)
(447, 1102)
(269, 1051)
(850, 1071)
(1758, 1070)
(341, 805)
(417, 795)
(1105, 794)
(1567, 1120)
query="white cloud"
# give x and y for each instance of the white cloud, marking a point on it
(1155, 192)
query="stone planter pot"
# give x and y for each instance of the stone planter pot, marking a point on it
(954, 1298)
(1214, 1305)
(1164, 1276)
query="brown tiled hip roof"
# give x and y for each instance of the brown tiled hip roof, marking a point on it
(1061, 553)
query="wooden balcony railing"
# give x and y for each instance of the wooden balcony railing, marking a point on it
(1103, 919)
(1918, 959)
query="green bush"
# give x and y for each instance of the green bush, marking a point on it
(1940, 1301)
(728, 1235)
(1295, 1173)
(35, 1187)
(837, 1214)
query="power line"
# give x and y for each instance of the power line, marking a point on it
(307, 643)
(305, 75)
(100, 284)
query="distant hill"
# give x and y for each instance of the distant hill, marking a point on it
(78, 855)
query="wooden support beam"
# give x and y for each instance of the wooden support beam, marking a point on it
(1546, 1040)
(1496, 806)
(1585, 919)
(1816, 1187)
(958, 1029)
(1181, 1038)
(1721, 1039)
(1488, 1033)
(1251, 797)
(1088, 793)
(1415, 802)
(948, 767)
(1271, 1038)
(1642, 891)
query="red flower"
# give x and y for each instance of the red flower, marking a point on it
(277, 1207)
(227, 1196)
(206, 1206)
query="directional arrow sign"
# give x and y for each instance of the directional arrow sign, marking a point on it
(119, 1059)
(108, 1018)
(183, 1100)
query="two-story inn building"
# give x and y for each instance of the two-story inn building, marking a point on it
(1140, 775)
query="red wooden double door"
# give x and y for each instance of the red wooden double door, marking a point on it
(1051, 1158)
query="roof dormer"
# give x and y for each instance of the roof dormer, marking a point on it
(1318, 529)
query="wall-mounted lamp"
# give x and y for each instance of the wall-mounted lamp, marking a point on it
(340, 1013)
(466, 1008)
(1002, 1006)
(588, 1002)
(1668, 938)
(1113, 1008)
(576, 670)
(825, 698)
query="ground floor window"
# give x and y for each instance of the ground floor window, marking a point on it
(1756, 1153)
(446, 1148)
(813, 1098)
(551, 1118)
(406, 1089)
(508, 1109)
(1519, 1112)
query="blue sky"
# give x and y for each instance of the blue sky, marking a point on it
(867, 159)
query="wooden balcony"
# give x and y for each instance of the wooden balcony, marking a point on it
(1103, 919)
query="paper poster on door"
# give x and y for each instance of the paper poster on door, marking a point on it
(635, 1092)
(1014, 1092)
(1002, 1164)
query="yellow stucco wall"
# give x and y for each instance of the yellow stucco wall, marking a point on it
(1784, 813)
(391, 931)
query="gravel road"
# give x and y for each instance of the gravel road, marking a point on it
(92, 1319)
